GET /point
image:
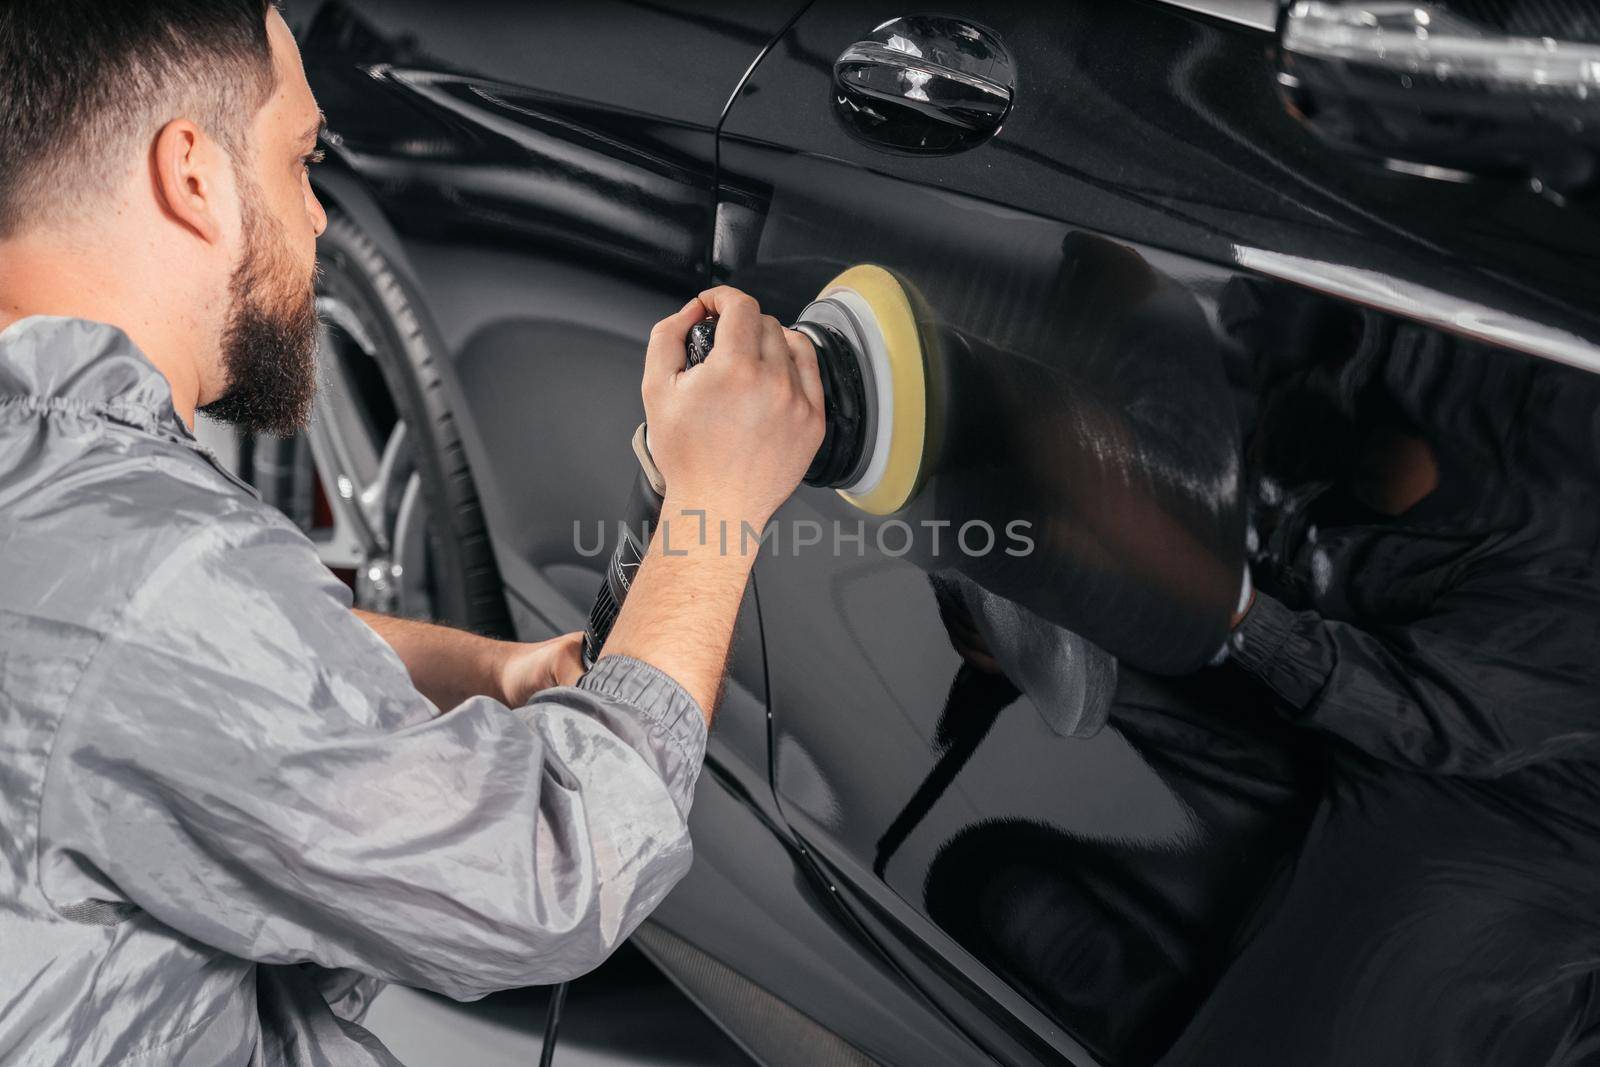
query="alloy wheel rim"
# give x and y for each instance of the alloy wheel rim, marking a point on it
(376, 534)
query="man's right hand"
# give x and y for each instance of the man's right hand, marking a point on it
(731, 438)
(735, 435)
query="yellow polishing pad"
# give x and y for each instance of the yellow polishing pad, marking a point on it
(901, 388)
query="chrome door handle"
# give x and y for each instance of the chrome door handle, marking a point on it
(1430, 91)
(924, 84)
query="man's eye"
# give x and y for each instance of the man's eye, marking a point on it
(313, 158)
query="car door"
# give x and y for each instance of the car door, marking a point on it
(1077, 276)
(908, 775)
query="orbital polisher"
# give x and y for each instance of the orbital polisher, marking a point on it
(874, 382)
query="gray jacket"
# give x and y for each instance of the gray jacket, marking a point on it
(209, 766)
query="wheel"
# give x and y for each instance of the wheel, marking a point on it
(380, 481)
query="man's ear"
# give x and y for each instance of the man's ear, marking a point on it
(191, 178)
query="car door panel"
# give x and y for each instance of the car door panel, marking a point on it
(1079, 359)
(881, 759)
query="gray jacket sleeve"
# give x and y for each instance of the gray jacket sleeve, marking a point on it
(248, 762)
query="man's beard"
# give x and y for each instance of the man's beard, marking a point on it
(270, 338)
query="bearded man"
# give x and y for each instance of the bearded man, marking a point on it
(229, 806)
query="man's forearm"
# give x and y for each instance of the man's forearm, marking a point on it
(679, 617)
(446, 664)
(681, 608)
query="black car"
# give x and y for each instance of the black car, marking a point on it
(1126, 224)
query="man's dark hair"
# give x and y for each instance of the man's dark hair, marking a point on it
(85, 82)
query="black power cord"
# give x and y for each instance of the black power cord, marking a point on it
(552, 1019)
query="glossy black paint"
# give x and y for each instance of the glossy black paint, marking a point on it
(1477, 89)
(1034, 885)
(522, 129)
(873, 718)
(1165, 128)
(908, 854)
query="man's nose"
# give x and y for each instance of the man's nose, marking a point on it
(319, 217)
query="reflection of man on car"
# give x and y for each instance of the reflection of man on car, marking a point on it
(1430, 602)
(1428, 607)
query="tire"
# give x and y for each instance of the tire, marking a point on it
(381, 396)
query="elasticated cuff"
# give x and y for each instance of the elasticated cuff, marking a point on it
(1256, 641)
(1281, 647)
(654, 693)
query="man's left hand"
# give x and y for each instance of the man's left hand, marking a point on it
(532, 668)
